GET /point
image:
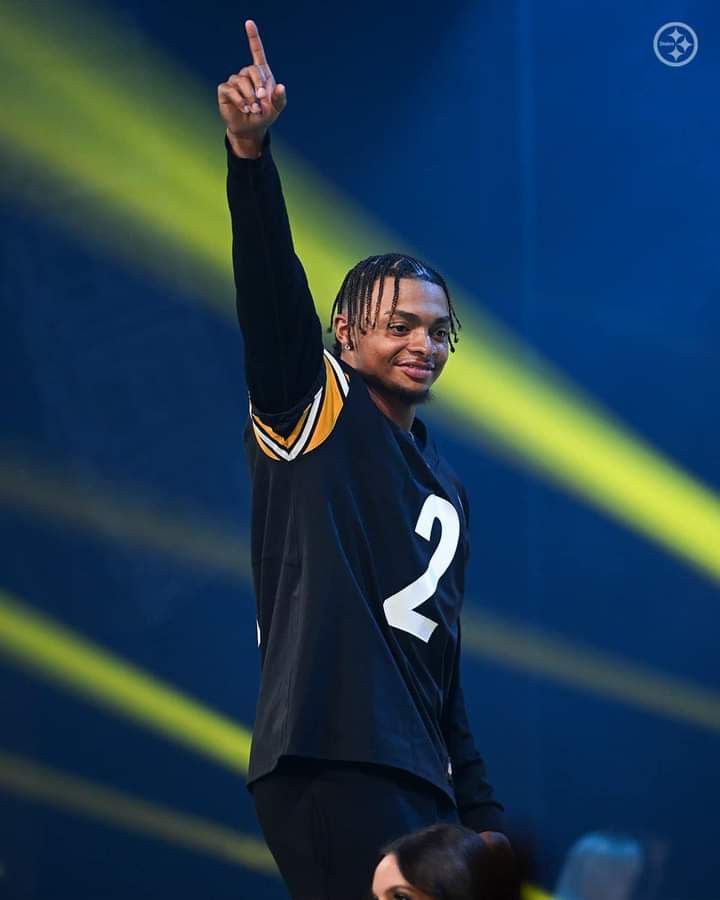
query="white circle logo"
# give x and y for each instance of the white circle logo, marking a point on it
(675, 44)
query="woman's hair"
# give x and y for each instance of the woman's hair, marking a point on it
(447, 862)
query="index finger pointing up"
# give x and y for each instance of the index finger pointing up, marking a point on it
(256, 47)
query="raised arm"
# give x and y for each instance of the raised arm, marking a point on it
(281, 330)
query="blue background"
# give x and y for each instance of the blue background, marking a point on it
(549, 165)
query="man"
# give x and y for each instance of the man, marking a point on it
(359, 540)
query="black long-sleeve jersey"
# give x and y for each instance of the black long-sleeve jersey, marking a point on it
(359, 540)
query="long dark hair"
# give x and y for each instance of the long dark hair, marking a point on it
(446, 862)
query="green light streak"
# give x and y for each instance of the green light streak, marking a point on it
(111, 807)
(552, 428)
(35, 642)
(103, 510)
(141, 146)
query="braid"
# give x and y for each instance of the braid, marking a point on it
(354, 299)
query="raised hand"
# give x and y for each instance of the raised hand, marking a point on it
(250, 101)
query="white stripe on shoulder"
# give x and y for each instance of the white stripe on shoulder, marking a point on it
(309, 424)
(261, 436)
(304, 434)
(342, 377)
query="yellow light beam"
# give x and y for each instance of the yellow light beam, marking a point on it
(531, 892)
(533, 414)
(120, 514)
(112, 807)
(583, 668)
(100, 87)
(124, 186)
(485, 635)
(564, 435)
(130, 144)
(37, 643)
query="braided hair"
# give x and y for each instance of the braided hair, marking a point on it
(354, 298)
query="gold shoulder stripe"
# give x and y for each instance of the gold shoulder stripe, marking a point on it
(335, 393)
(260, 438)
(306, 426)
(315, 423)
(342, 378)
(286, 442)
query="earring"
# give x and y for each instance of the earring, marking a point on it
(347, 346)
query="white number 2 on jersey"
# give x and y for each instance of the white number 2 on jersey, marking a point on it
(400, 607)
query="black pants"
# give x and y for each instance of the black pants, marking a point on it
(326, 822)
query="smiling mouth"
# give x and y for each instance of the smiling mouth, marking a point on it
(416, 372)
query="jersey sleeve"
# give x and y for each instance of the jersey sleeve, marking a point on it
(286, 436)
(282, 333)
(474, 794)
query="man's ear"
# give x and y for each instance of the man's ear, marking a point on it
(342, 330)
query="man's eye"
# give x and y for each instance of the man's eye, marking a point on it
(399, 329)
(441, 334)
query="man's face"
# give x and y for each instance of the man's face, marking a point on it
(405, 353)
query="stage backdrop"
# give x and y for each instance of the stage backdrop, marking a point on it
(558, 164)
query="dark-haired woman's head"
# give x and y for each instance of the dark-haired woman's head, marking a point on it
(442, 862)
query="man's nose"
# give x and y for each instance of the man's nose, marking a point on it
(421, 342)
